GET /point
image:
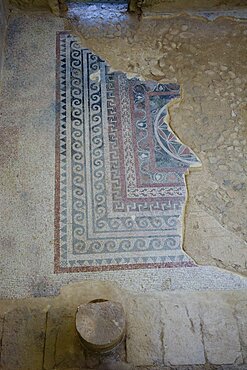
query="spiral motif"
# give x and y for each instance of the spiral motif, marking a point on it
(75, 73)
(79, 218)
(95, 88)
(126, 245)
(77, 154)
(77, 167)
(96, 119)
(76, 112)
(142, 222)
(156, 222)
(98, 185)
(171, 243)
(96, 129)
(75, 85)
(76, 102)
(155, 244)
(76, 122)
(111, 246)
(98, 162)
(101, 223)
(78, 192)
(75, 50)
(76, 134)
(97, 140)
(100, 198)
(77, 145)
(77, 157)
(100, 210)
(128, 223)
(75, 63)
(95, 108)
(97, 247)
(79, 232)
(171, 221)
(140, 244)
(80, 247)
(97, 152)
(78, 205)
(93, 63)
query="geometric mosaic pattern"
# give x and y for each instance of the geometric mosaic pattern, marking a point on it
(120, 170)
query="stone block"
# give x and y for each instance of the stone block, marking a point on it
(63, 348)
(240, 312)
(220, 332)
(115, 366)
(144, 332)
(23, 339)
(182, 334)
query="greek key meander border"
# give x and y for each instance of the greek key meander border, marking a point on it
(57, 254)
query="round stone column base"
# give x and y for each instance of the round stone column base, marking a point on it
(101, 325)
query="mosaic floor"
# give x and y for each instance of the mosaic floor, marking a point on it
(28, 169)
(120, 187)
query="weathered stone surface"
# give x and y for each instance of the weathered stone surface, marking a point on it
(23, 339)
(55, 6)
(176, 5)
(62, 347)
(118, 355)
(144, 332)
(214, 242)
(182, 330)
(240, 313)
(115, 366)
(220, 332)
(101, 324)
(41, 333)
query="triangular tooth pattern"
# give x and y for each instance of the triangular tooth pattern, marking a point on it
(63, 221)
(63, 208)
(131, 261)
(172, 258)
